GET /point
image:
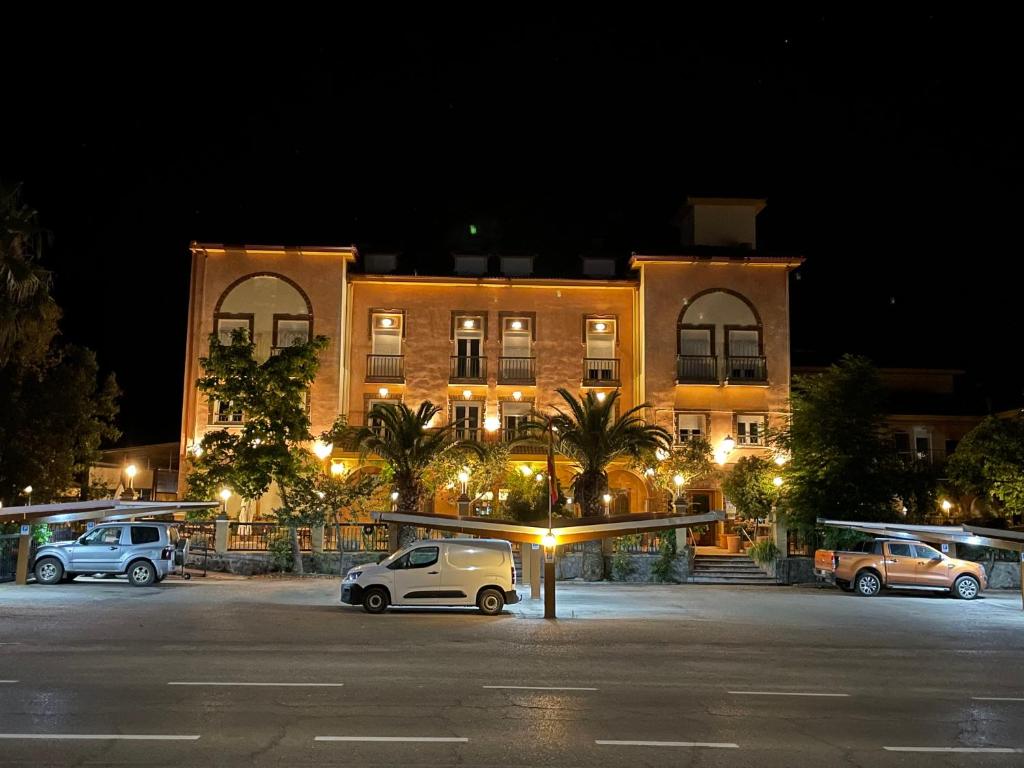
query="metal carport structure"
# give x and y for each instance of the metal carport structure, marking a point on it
(973, 535)
(77, 511)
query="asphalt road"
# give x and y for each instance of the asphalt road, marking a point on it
(632, 675)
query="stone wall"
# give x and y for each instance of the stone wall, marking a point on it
(793, 570)
(640, 567)
(1003, 575)
(255, 563)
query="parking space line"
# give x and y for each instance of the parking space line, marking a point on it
(789, 693)
(8, 682)
(428, 739)
(101, 736)
(996, 698)
(702, 744)
(982, 750)
(258, 685)
(537, 688)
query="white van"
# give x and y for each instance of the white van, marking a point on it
(477, 572)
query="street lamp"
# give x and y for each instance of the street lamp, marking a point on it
(777, 481)
(225, 494)
(322, 449)
(338, 468)
(946, 505)
(464, 479)
(27, 490)
(394, 501)
(549, 539)
(601, 396)
(607, 499)
(131, 470)
(491, 423)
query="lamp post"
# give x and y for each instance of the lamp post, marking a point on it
(27, 491)
(394, 501)
(607, 499)
(677, 502)
(463, 502)
(130, 471)
(225, 494)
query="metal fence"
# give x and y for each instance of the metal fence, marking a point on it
(257, 537)
(355, 537)
(200, 535)
(8, 556)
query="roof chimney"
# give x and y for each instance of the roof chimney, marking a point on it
(724, 222)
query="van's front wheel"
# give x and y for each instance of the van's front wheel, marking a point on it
(375, 600)
(490, 602)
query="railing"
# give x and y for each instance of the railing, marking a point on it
(467, 369)
(526, 447)
(515, 370)
(697, 369)
(256, 537)
(600, 370)
(65, 531)
(200, 535)
(639, 544)
(385, 368)
(468, 433)
(8, 556)
(744, 369)
(354, 537)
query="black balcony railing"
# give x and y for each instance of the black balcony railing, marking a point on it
(468, 433)
(467, 369)
(385, 368)
(740, 370)
(600, 370)
(697, 369)
(515, 370)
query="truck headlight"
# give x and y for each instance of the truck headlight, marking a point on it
(353, 575)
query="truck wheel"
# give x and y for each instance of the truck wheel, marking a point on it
(966, 588)
(867, 584)
(375, 600)
(844, 585)
(141, 574)
(490, 602)
(49, 571)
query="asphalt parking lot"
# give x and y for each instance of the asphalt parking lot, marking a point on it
(229, 671)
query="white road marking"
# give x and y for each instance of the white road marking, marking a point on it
(102, 736)
(708, 744)
(263, 685)
(537, 688)
(983, 750)
(440, 739)
(788, 693)
(996, 698)
(7, 682)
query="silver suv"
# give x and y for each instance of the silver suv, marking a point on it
(143, 551)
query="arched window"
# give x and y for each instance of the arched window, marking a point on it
(272, 309)
(720, 337)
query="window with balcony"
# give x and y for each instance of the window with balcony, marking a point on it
(272, 308)
(720, 339)
(516, 363)
(467, 418)
(385, 362)
(745, 362)
(690, 426)
(697, 361)
(468, 362)
(513, 416)
(600, 366)
(750, 429)
(374, 422)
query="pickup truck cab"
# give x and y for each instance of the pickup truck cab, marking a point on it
(898, 564)
(454, 572)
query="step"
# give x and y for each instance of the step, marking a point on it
(736, 581)
(719, 572)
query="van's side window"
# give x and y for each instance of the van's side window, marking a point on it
(422, 557)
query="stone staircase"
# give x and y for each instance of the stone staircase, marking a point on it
(728, 569)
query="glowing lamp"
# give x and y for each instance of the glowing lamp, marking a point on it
(467, 394)
(539, 476)
(394, 495)
(492, 423)
(386, 322)
(131, 470)
(946, 506)
(27, 489)
(728, 444)
(601, 396)
(338, 468)
(720, 457)
(383, 391)
(549, 539)
(197, 449)
(600, 327)
(517, 395)
(322, 449)
(225, 494)
(679, 480)
(526, 469)
(568, 500)
(781, 459)
(607, 498)
(463, 476)
(517, 325)
(777, 481)
(468, 323)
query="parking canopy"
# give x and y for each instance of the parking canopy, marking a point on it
(956, 534)
(97, 509)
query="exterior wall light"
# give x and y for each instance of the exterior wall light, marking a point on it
(492, 423)
(468, 323)
(386, 322)
(383, 391)
(517, 325)
(600, 327)
(517, 395)
(526, 469)
(601, 396)
(728, 444)
(467, 394)
(338, 468)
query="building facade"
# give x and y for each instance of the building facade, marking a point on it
(701, 336)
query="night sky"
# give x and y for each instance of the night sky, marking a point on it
(888, 147)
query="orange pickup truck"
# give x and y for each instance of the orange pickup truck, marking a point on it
(898, 564)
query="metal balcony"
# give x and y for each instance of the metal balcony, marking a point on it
(697, 369)
(600, 371)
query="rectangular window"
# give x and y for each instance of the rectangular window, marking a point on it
(600, 338)
(148, 534)
(386, 333)
(688, 426)
(375, 423)
(901, 441)
(750, 429)
(695, 342)
(467, 417)
(513, 415)
(227, 413)
(226, 326)
(744, 343)
(922, 444)
(289, 331)
(516, 337)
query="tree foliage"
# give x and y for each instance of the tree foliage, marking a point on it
(749, 486)
(989, 462)
(843, 465)
(56, 408)
(589, 434)
(692, 461)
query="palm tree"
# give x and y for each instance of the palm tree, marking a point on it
(588, 434)
(405, 440)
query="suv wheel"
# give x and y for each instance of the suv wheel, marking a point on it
(141, 574)
(375, 600)
(867, 584)
(49, 571)
(966, 588)
(490, 602)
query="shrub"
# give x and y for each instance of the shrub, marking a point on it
(663, 568)
(764, 552)
(280, 550)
